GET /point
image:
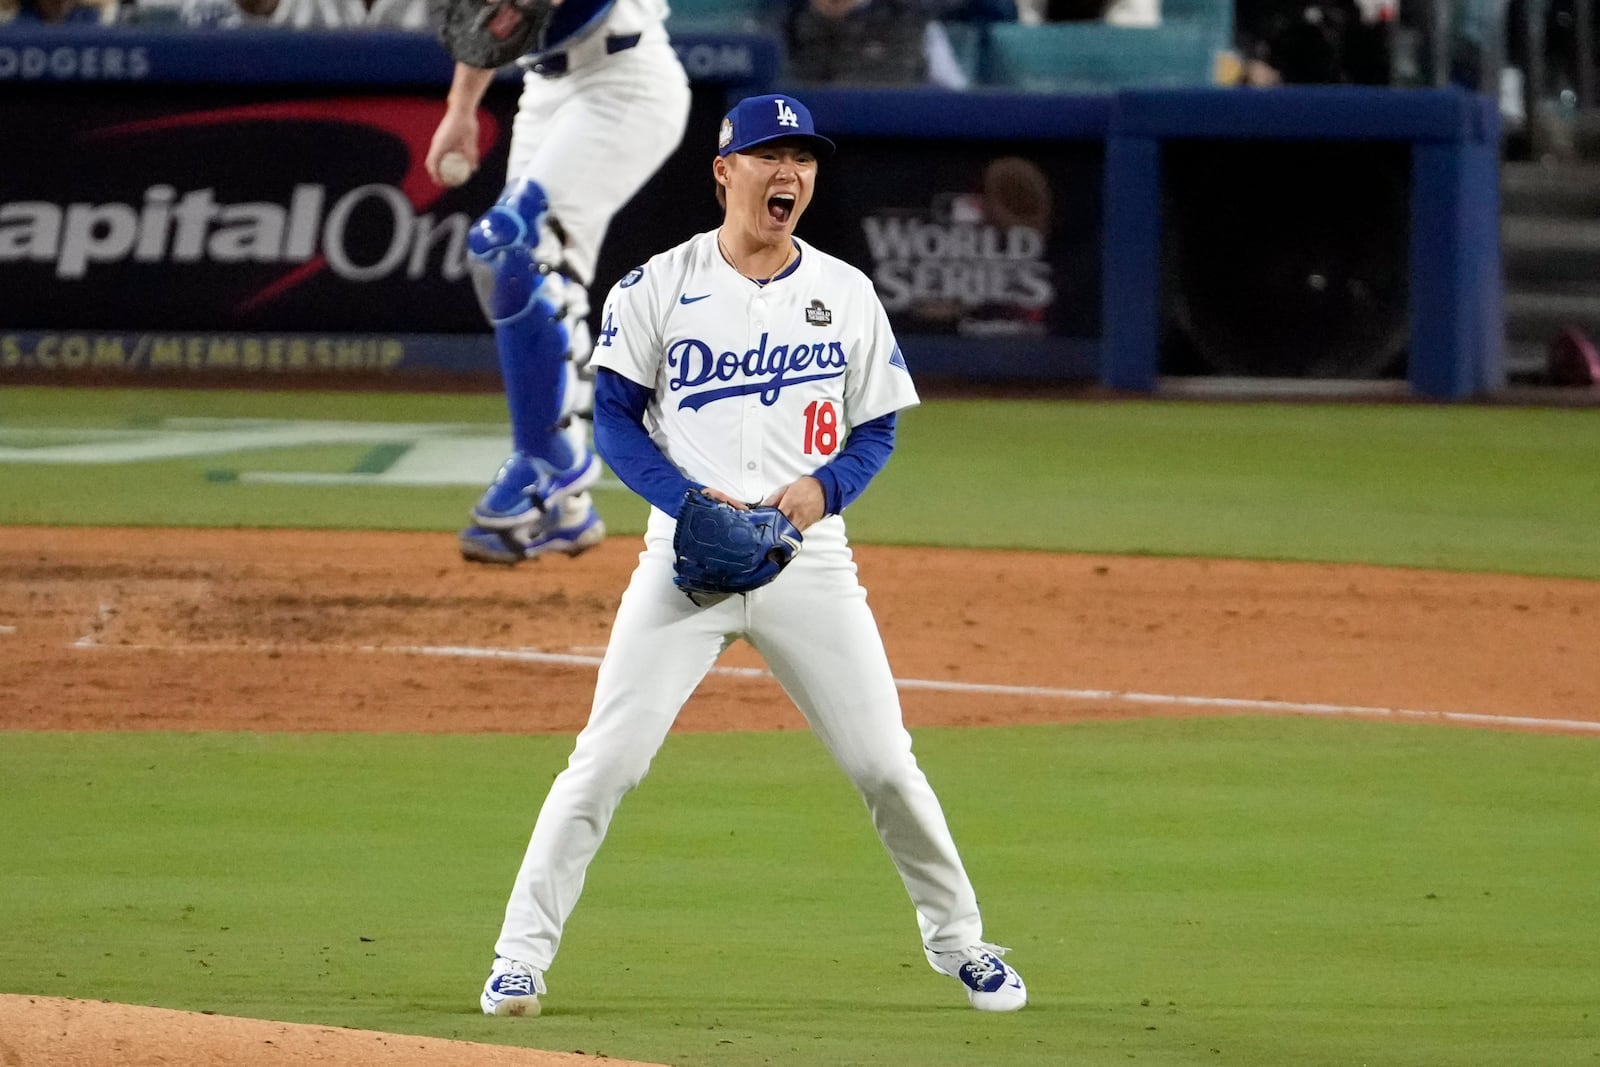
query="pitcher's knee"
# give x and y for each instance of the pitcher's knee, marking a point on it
(610, 766)
(885, 777)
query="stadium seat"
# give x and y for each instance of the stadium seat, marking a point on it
(1212, 14)
(1094, 57)
(736, 16)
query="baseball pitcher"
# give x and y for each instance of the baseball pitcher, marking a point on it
(747, 387)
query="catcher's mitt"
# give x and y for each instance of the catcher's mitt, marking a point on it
(490, 33)
(721, 549)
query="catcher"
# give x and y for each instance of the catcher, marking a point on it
(747, 365)
(604, 102)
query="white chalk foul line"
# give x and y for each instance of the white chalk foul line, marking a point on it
(1116, 696)
(1046, 692)
(7, 629)
(531, 655)
(1295, 707)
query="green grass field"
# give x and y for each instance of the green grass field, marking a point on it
(1179, 891)
(1466, 488)
(1211, 891)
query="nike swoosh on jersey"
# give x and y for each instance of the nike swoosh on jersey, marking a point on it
(685, 298)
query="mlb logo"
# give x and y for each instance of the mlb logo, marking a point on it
(819, 315)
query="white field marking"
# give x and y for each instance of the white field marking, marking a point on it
(1292, 707)
(432, 460)
(8, 629)
(431, 454)
(186, 438)
(1239, 703)
(90, 638)
(478, 475)
(532, 655)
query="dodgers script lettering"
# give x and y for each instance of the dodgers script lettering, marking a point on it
(767, 371)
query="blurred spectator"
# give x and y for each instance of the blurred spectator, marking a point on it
(973, 10)
(1115, 12)
(289, 14)
(194, 14)
(58, 11)
(870, 42)
(1314, 42)
(1560, 33)
(341, 14)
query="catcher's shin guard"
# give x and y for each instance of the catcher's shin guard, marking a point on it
(577, 411)
(515, 256)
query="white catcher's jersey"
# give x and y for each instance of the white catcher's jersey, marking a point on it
(755, 386)
(592, 136)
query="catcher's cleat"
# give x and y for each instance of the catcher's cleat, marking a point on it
(991, 983)
(527, 485)
(513, 988)
(580, 529)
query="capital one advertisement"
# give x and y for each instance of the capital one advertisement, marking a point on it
(298, 212)
(153, 226)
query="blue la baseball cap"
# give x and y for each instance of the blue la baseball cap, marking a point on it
(759, 119)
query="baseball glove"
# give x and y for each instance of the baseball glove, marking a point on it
(490, 33)
(721, 549)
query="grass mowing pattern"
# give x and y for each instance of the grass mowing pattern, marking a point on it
(1239, 891)
(1465, 488)
(1453, 488)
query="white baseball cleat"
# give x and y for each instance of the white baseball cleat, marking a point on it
(991, 983)
(513, 988)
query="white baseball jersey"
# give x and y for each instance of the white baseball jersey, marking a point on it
(755, 386)
(592, 137)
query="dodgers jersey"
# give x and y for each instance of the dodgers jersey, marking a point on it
(754, 386)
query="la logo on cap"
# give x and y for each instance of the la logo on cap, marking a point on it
(757, 120)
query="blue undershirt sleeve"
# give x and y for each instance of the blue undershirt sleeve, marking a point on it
(865, 452)
(621, 439)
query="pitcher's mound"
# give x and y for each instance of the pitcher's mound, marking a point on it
(58, 1032)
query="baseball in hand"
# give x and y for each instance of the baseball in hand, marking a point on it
(455, 168)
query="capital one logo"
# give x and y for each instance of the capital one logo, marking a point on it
(314, 231)
(786, 116)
